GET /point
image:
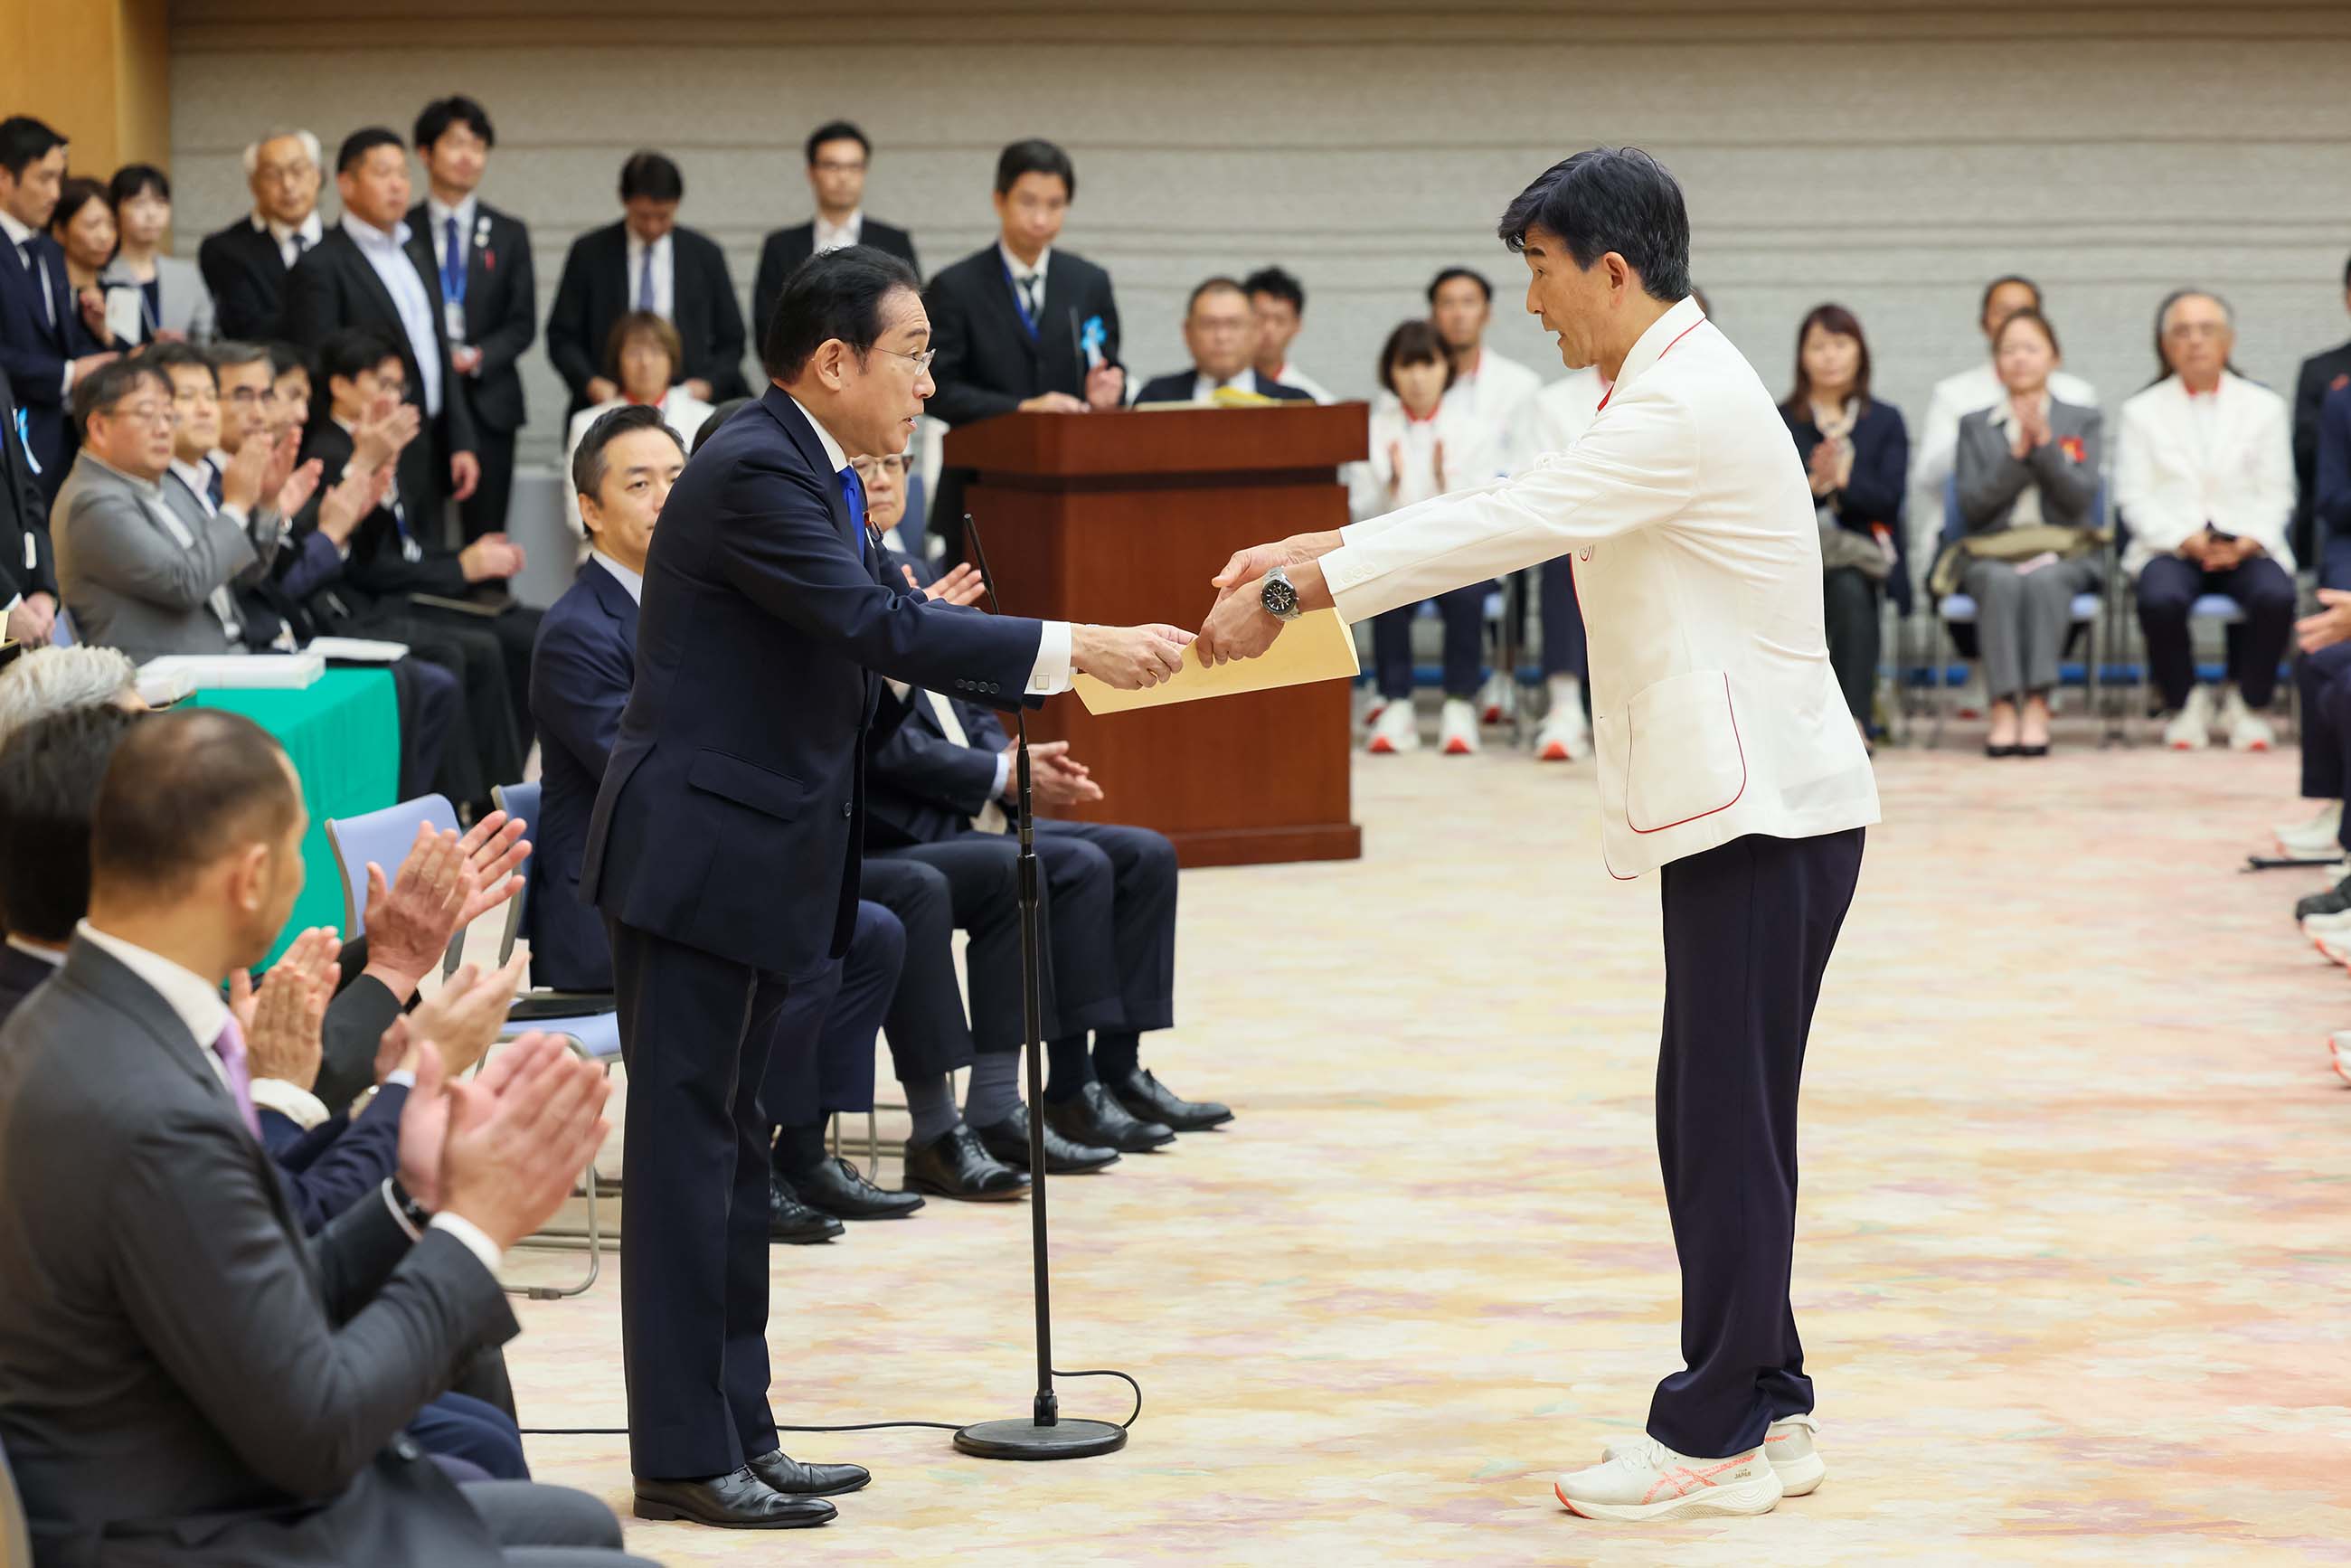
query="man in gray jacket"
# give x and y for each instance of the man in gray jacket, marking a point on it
(135, 575)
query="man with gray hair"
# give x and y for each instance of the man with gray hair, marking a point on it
(57, 679)
(245, 265)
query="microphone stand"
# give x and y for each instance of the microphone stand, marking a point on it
(1044, 1435)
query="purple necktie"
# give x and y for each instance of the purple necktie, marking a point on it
(230, 1049)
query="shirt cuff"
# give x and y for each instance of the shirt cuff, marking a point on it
(1003, 774)
(466, 1232)
(1052, 671)
(400, 1076)
(13, 600)
(397, 1217)
(291, 1100)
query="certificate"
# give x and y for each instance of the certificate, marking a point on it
(1316, 647)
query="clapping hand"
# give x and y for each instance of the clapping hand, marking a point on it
(299, 485)
(445, 883)
(281, 1020)
(361, 491)
(964, 585)
(509, 1143)
(1055, 778)
(465, 1016)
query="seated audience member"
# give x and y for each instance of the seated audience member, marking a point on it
(1220, 330)
(44, 681)
(940, 788)
(1854, 448)
(82, 224)
(28, 575)
(246, 263)
(1277, 300)
(197, 486)
(1563, 411)
(45, 344)
(182, 1366)
(2204, 482)
(2029, 463)
(837, 156)
(135, 576)
(646, 262)
(289, 386)
(2321, 375)
(2329, 490)
(171, 300)
(642, 358)
(1423, 443)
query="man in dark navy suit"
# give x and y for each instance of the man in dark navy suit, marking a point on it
(29, 571)
(724, 847)
(837, 156)
(45, 347)
(1220, 330)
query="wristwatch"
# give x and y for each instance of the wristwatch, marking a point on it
(1279, 597)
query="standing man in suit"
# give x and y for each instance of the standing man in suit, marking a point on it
(1222, 331)
(724, 847)
(2321, 375)
(838, 154)
(646, 262)
(489, 297)
(1698, 558)
(1021, 325)
(28, 573)
(39, 314)
(246, 263)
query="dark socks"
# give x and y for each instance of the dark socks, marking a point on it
(994, 1091)
(798, 1149)
(1069, 1069)
(1116, 1054)
(931, 1102)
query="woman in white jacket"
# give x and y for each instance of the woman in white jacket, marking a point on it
(1423, 445)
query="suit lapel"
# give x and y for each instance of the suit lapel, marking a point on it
(614, 600)
(354, 260)
(1005, 306)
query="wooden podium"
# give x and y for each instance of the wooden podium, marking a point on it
(1119, 518)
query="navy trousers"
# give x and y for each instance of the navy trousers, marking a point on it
(1463, 611)
(1563, 621)
(2168, 587)
(1748, 928)
(1112, 927)
(821, 1058)
(2323, 679)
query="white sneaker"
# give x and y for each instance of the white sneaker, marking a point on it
(2336, 948)
(2338, 1049)
(1397, 729)
(2334, 928)
(1564, 736)
(2191, 730)
(2314, 837)
(1498, 699)
(1456, 729)
(1652, 1481)
(2247, 730)
(1788, 1445)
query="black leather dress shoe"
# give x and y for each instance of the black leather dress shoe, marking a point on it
(955, 1164)
(1007, 1141)
(787, 1475)
(789, 1220)
(1091, 1116)
(839, 1188)
(1148, 1100)
(738, 1501)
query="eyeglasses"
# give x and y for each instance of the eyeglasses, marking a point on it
(246, 397)
(285, 174)
(868, 466)
(922, 362)
(145, 412)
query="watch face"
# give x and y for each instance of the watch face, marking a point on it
(1281, 597)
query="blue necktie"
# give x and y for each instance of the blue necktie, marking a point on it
(853, 493)
(212, 487)
(646, 281)
(453, 262)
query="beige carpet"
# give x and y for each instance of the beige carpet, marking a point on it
(2075, 1237)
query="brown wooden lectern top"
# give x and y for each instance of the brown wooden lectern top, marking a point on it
(1121, 518)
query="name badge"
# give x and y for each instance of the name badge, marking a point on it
(410, 550)
(452, 318)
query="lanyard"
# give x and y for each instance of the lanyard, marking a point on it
(1019, 300)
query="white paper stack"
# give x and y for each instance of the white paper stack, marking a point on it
(287, 671)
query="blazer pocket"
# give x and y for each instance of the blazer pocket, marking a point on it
(763, 790)
(1684, 759)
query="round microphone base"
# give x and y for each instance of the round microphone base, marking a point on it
(1027, 1440)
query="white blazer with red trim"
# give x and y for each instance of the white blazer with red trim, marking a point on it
(1698, 562)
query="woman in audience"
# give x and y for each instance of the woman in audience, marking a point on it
(643, 357)
(1422, 446)
(170, 297)
(2029, 462)
(83, 226)
(1856, 453)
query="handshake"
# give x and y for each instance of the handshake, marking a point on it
(1239, 626)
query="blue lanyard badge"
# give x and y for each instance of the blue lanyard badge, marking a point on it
(25, 438)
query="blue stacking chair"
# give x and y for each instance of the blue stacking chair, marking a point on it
(384, 837)
(1960, 608)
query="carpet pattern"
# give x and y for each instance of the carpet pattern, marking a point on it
(2074, 1237)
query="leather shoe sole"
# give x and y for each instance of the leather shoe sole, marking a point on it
(941, 1190)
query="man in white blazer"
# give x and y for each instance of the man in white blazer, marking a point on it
(2204, 482)
(1726, 757)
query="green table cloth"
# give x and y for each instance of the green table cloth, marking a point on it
(342, 734)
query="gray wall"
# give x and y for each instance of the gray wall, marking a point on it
(1892, 156)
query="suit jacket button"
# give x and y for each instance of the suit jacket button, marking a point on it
(848, 807)
(404, 1447)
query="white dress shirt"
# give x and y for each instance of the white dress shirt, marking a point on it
(664, 250)
(437, 214)
(388, 254)
(826, 236)
(634, 581)
(1697, 564)
(310, 230)
(1290, 375)
(198, 478)
(1050, 673)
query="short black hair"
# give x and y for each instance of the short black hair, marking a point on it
(1611, 199)
(1034, 157)
(24, 140)
(1277, 282)
(837, 130)
(362, 142)
(588, 458)
(103, 390)
(836, 295)
(1414, 343)
(137, 180)
(224, 352)
(652, 176)
(1221, 284)
(351, 352)
(172, 352)
(2004, 280)
(1452, 274)
(49, 775)
(74, 194)
(718, 416)
(181, 790)
(284, 357)
(455, 109)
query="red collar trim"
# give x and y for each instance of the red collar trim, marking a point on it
(1661, 354)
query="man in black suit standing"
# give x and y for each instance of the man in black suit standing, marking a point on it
(724, 847)
(45, 348)
(838, 154)
(646, 262)
(28, 572)
(188, 1377)
(2321, 375)
(246, 263)
(1220, 330)
(489, 297)
(1021, 325)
